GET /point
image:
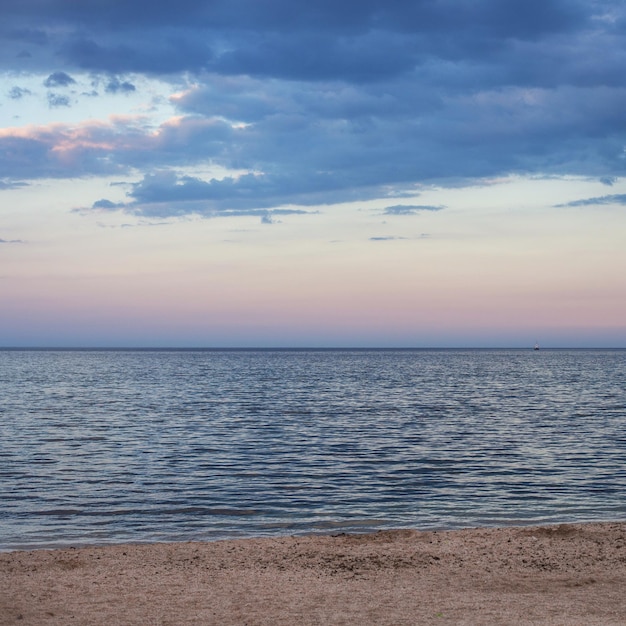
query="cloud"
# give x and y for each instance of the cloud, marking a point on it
(71, 151)
(245, 192)
(390, 238)
(161, 53)
(12, 241)
(404, 209)
(59, 79)
(164, 194)
(324, 102)
(11, 184)
(601, 200)
(55, 100)
(17, 93)
(117, 86)
(107, 205)
(281, 39)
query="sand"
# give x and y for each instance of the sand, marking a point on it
(566, 574)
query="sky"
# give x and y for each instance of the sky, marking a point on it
(278, 173)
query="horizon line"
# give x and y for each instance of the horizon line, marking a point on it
(291, 348)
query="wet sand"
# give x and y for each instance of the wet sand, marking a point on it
(566, 574)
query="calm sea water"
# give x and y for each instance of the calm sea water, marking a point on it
(132, 446)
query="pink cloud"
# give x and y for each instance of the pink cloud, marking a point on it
(96, 147)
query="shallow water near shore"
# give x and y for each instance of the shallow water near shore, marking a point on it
(136, 446)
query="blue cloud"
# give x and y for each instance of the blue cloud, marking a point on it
(115, 85)
(352, 41)
(59, 79)
(164, 193)
(404, 209)
(322, 102)
(389, 238)
(167, 54)
(56, 100)
(107, 205)
(17, 93)
(601, 200)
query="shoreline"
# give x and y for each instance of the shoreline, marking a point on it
(557, 574)
(78, 545)
(328, 532)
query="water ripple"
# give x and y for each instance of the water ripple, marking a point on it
(104, 446)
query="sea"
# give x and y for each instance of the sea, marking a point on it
(132, 446)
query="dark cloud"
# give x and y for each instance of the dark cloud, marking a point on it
(515, 18)
(406, 209)
(59, 79)
(37, 36)
(115, 85)
(164, 194)
(322, 102)
(352, 41)
(320, 56)
(167, 54)
(249, 192)
(610, 199)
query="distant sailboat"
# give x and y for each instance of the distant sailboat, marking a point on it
(536, 346)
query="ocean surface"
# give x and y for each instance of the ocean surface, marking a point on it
(102, 447)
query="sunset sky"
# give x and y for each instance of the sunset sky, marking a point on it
(391, 173)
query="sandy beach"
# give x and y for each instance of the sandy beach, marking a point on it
(565, 574)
